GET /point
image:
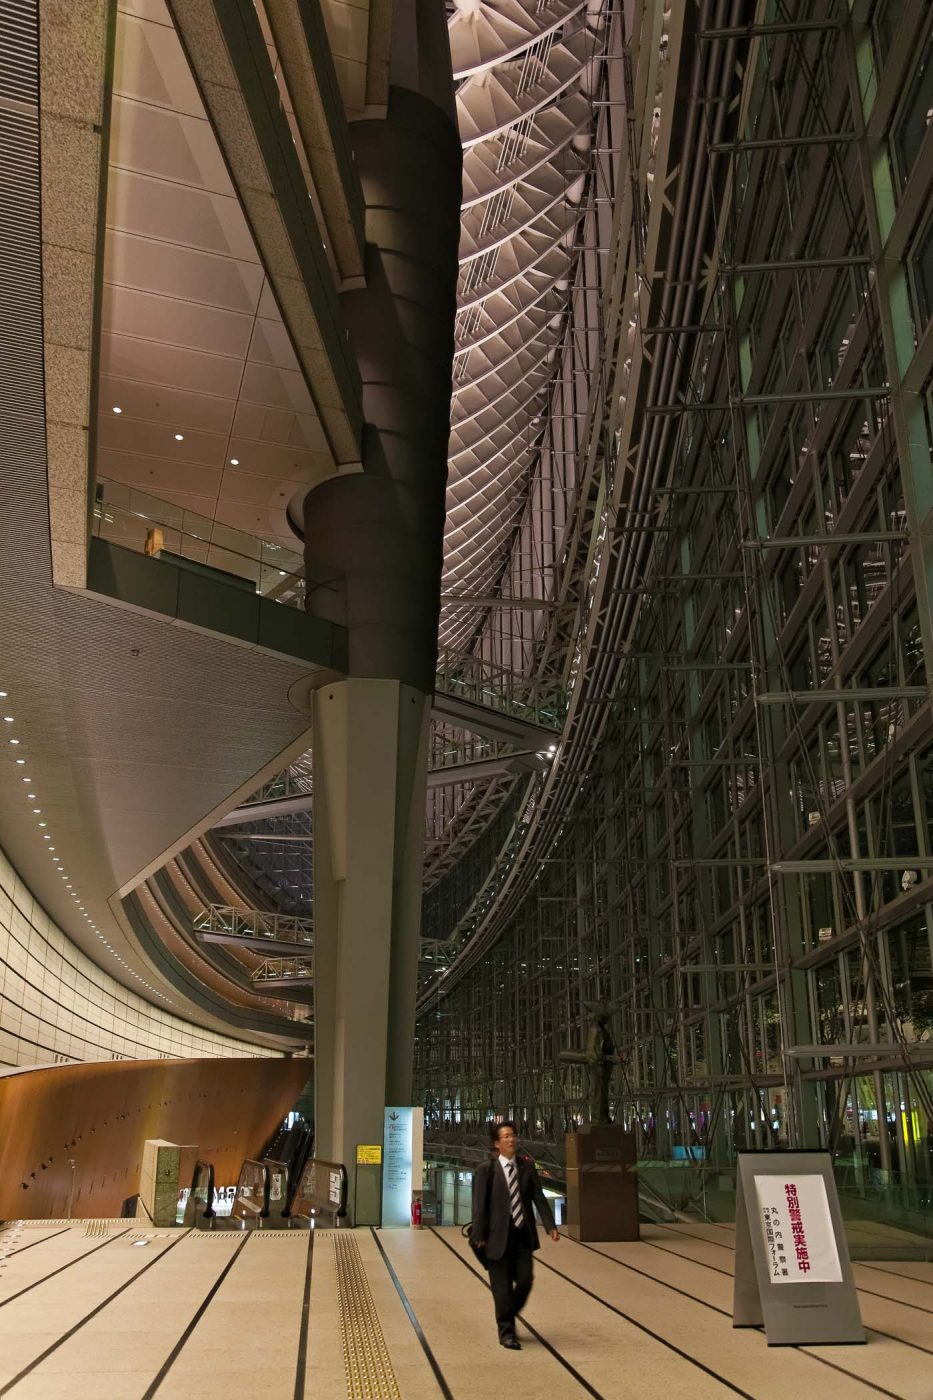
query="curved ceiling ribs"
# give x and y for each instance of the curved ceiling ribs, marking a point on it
(526, 71)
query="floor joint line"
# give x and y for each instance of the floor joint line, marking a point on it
(548, 1346)
(66, 1336)
(413, 1319)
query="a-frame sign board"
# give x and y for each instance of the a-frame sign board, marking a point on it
(792, 1269)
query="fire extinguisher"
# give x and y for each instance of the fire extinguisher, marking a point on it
(416, 1213)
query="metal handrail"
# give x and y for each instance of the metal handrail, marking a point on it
(191, 1213)
(277, 1168)
(323, 1188)
(244, 1204)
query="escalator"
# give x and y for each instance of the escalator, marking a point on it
(272, 1194)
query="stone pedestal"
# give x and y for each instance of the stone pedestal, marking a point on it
(166, 1168)
(602, 1188)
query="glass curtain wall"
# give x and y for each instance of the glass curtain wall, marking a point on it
(743, 868)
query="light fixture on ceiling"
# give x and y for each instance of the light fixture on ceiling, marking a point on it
(117, 409)
(43, 823)
(234, 461)
(22, 760)
(8, 719)
(14, 741)
(179, 437)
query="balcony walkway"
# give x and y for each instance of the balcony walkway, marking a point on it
(102, 1310)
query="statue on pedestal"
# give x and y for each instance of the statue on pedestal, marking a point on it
(599, 1055)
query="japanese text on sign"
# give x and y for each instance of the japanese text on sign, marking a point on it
(800, 1245)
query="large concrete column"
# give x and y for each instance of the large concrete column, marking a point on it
(370, 761)
(373, 543)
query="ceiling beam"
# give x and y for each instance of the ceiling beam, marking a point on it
(229, 59)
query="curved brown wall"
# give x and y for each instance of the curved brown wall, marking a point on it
(99, 1116)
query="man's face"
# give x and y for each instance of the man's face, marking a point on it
(507, 1142)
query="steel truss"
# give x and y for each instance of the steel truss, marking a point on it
(734, 849)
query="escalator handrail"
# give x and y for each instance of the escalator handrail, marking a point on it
(262, 1214)
(337, 1208)
(273, 1164)
(208, 1212)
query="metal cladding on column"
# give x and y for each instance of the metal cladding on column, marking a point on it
(374, 540)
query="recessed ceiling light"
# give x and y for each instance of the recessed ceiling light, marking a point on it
(234, 461)
(29, 794)
(46, 838)
(179, 437)
(8, 719)
(22, 760)
(116, 409)
(15, 741)
(43, 823)
(2, 694)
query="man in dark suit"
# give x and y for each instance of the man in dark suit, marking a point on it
(505, 1191)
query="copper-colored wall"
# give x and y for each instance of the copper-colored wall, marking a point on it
(99, 1116)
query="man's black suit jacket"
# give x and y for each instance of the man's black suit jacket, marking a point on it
(492, 1211)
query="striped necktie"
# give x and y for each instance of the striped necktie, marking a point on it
(515, 1200)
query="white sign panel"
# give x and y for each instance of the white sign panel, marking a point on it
(800, 1244)
(396, 1168)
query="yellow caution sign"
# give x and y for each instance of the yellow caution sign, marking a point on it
(369, 1155)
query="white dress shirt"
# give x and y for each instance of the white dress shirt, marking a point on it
(505, 1163)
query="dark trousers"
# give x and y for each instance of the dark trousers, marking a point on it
(510, 1279)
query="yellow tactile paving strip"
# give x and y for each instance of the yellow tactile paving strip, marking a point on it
(365, 1355)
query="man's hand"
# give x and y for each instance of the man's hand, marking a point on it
(554, 1234)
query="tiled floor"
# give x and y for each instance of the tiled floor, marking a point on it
(116, 1313)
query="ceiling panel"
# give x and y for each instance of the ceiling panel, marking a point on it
(249, 518)
(192, 341)
(277, 388)
(134, 436)
(241, 489)
(177, 214)
(177, 323)
(170, 147)
(149, 64)
(144, 471)
(151, 363)
(264, 424)
(186, 273)
(159, 404)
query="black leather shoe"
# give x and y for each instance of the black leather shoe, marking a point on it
(512, 1343)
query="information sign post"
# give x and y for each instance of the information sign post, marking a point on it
(402, 1164)
(792, 1269)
